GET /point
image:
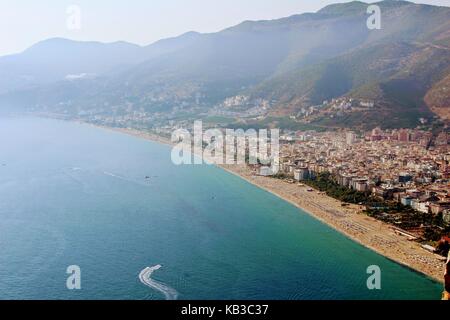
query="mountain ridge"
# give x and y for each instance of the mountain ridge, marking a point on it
(292, 62)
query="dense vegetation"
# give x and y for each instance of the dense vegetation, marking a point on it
(325, 183)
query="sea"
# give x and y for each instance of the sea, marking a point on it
(134, 226)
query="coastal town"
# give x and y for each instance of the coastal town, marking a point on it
(274, 151)
(399, 164)
(398, 176)
(386, 189)
(406, 167)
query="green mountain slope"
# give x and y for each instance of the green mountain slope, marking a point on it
(294, 63)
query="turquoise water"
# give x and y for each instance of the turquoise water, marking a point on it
(72, 194)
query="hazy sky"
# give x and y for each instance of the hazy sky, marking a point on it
(25, 22)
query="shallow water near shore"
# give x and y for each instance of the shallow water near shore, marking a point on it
(113, 204)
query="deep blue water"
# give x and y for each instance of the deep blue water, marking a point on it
(73, 194)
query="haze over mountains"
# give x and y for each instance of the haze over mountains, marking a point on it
(293, 63)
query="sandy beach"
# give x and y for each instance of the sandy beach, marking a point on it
(350, 220)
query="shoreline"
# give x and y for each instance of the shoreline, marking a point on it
(373, 234)
(425, 270)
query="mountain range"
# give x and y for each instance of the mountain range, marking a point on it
(293, 63)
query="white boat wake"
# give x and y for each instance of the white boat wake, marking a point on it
(145, 277)
(125, 179)
(115, 176)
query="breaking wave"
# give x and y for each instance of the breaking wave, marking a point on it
(145, 277)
